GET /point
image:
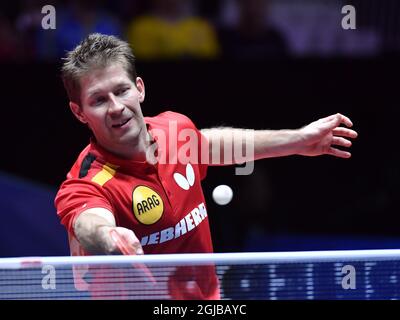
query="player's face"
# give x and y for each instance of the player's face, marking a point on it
(111, 107)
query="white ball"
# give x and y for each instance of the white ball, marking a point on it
(222, 194)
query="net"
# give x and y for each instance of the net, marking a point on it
(362, 274)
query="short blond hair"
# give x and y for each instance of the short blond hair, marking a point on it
(95, 51)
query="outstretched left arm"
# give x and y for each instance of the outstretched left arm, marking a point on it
(319, 137)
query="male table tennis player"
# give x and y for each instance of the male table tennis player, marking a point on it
(140, 178)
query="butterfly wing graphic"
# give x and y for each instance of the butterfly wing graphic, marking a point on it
(181, 181)
(190, 174)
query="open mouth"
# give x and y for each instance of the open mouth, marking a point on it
(121, 124)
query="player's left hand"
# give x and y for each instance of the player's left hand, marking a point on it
(325, 135)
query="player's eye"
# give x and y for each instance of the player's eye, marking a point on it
(121, 91)
(98, 101)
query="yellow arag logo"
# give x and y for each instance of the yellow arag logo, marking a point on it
(148, 206)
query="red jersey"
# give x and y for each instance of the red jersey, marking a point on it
(163, 204)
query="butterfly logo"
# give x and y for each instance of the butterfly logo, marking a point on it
(185, 182)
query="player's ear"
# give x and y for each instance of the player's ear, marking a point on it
(140, 88)
(77, 111)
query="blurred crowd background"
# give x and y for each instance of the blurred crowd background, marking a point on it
(248, 63)
(176, 29)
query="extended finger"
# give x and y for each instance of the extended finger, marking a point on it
(345, 120)
(339, 141)
(138, 248)
(345, 132)
(339, 153)
(337, 119)
(328, 118)
(134, 241)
